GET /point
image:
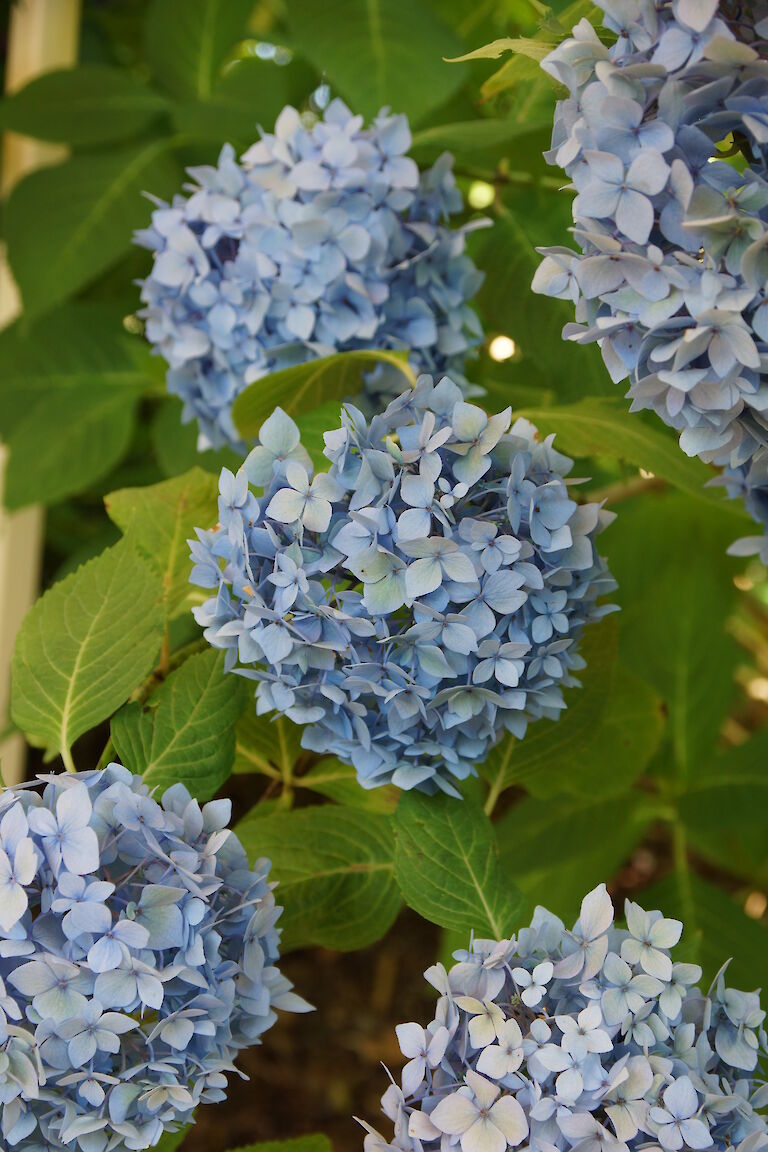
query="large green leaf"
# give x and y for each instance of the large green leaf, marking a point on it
(447, 865)
(250, 94)
(315, 1143)
(676, 590)
(529, 46)
(519, 69)
(84, 646)
(175, 444)
(335, 872)
(161, 518)
(724, 809)
(715, 929)
(298, 390)
(509, 260)
(603, 426)
(470, 140)
(68, 392)
(603, 740)
(379, 52)
(267, 744)
(67, 441)
(66, 225)
(558, 850)
(187, 42)
(170, 1141)
(339, 782)
(86, 105)
(186, 731)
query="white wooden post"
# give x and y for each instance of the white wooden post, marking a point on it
(43, 35)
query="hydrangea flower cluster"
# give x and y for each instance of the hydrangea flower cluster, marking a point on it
(324, 238)
(671, 279)
(591, 1039)
(137, 957)
(421, 597)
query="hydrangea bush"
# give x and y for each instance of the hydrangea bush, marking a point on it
(138, 955)
(325, 237)
(591, 1039)
(672, 271)
(420, 598)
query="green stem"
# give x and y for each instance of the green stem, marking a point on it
(286, 798)
(496, 789)
(69, 763)
(106, 755)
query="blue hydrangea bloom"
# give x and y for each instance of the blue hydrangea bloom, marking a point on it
(325, 237)
(416, 601)
(138, 955)
(671, 277)
(590, 1039)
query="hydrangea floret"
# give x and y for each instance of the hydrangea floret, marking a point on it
(325, 237)
(138, 954)
(618, 1048)
(419, 599)
(673, 231)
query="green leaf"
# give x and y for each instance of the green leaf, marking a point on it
(470, 139)
(602, 426)
(391, 52)
(267, 744)
(314, 1143)
(335, 873)
(339, 782)
(175, 444)
(447, 866)
(161, 518)
(68, 394)
(521, 46)
(66, 225)
(558, 850)
(720, 930)
(724, 808)
(603, 740)
(518, 70)
(297, 390)
(187, 42)
(676, 591)
(84, 646)
(67, 442)
(86, 105)
(509, 260)
(250, 93)
(311, 427)
(170, 1141)
(186, 731)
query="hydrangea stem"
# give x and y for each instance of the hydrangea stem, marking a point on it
(66, 756)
